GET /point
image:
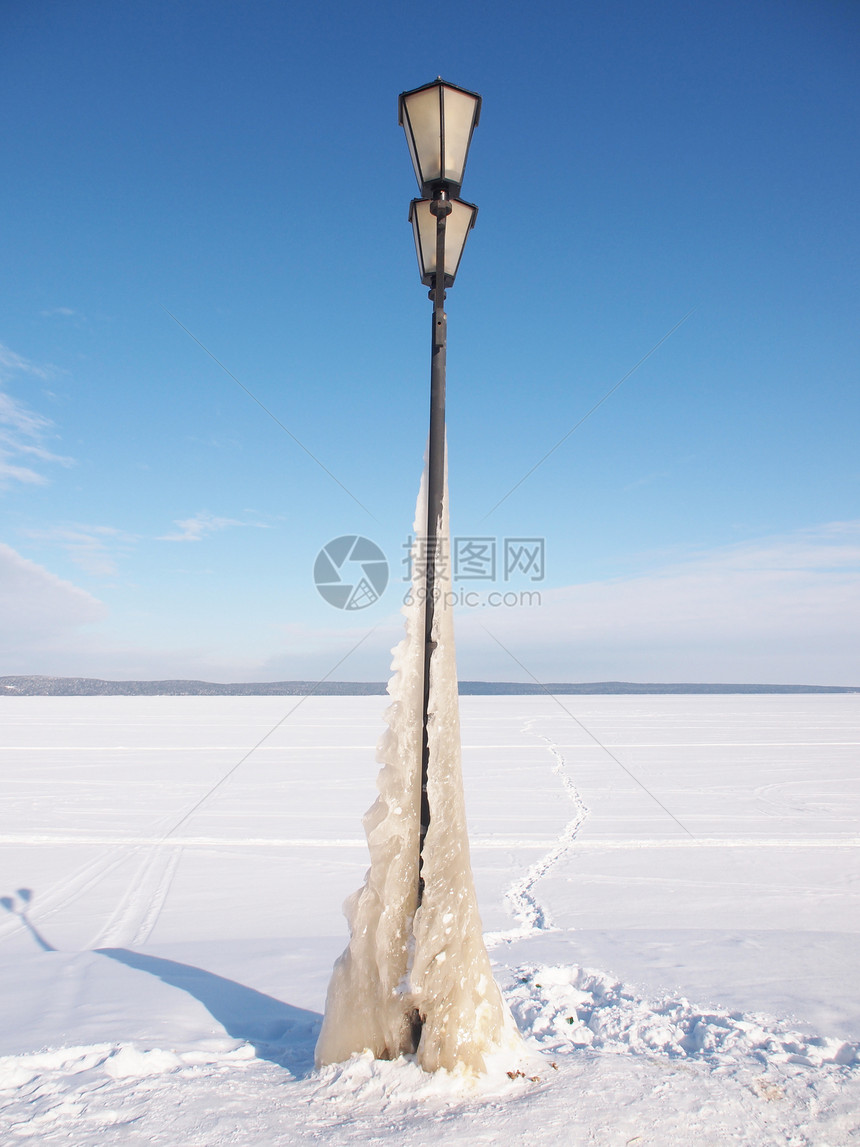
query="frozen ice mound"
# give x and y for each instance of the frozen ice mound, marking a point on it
(403, 958)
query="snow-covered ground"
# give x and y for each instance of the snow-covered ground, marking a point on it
(680, 949)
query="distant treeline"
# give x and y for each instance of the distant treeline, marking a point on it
(93, 687)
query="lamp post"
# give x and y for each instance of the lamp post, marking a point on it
(438, 119)
(420, 982)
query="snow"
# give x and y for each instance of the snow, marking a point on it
(168, 989)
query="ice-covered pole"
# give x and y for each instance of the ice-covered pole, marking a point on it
(438, 119)
(415, 978)
(440, 207)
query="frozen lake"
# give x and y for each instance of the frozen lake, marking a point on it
(697, 851)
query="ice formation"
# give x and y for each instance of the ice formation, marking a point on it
(402, 957)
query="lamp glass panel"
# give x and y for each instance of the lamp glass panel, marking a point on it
(457, 228)
(460, 108)
(424, 231)
(424, 133)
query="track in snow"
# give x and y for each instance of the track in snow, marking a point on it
(531, 915)
(137, 912)
(139, 908)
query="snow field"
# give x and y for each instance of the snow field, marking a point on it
(685, 990)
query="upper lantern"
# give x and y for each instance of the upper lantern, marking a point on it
(439, 120)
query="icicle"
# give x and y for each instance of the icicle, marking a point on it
(433, 959)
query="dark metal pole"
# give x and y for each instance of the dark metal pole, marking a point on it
(441, 208)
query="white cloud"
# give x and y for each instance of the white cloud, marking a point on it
(23, 431)
(778, 610)
(12, 363)
(774, 610)
(93, 548)
(39, 611)
(50, 626)
(196, 528)
(309, 653)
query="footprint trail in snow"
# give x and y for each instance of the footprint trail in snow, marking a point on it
(531, 915)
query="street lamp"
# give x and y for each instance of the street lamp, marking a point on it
(415, 977)
(439, 119)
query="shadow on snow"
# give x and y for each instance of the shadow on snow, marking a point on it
(278, 1032)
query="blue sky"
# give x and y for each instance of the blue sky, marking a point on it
(240, 165)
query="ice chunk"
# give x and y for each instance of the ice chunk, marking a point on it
(402, 958)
